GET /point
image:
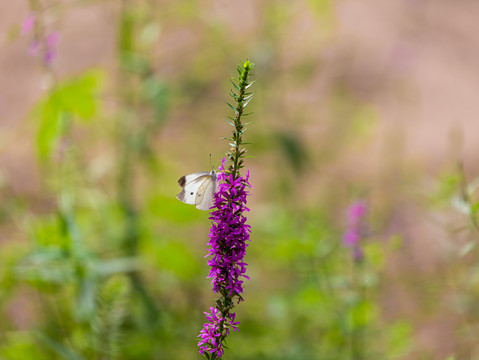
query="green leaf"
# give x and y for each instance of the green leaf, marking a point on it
(246, 103)
(74, 97)
(248, 97)
(80, 95)
(234, 84)
(231, 106)
(49, 129)
(233, 95)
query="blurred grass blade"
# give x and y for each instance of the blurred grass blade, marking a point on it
(58, 348)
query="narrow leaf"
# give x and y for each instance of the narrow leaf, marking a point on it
(248, 97)
(246, 103)
(58, 348)
(233, 95)
(235, 86)
(231, 106)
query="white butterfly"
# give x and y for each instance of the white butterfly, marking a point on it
(198, 189)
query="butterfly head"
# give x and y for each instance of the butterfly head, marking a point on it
(182, 181)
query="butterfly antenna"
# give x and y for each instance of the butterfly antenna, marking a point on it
(211, 163)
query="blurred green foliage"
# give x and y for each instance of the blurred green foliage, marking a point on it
(111, 266)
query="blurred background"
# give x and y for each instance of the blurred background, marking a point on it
(105, 104)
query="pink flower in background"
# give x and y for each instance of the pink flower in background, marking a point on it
(47, 45)
(34, 48)
(51, 42)
(355, 228)
(52, 39)
(28, 24)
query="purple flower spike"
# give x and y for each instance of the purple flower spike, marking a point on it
(227, 247)
(355, 229)
(229, 232)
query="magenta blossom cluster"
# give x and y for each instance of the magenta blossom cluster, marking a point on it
(211, 334)
(229, 235)
(355, 228)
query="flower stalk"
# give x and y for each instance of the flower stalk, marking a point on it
(229, 232)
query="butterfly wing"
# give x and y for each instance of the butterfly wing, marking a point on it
(205, 195)
(190, 184)
(185, 180)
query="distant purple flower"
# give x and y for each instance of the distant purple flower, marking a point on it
(34, 48)
(27, 27)
(52, 39)
(47, 45)
(28, 24)
(51, 42)
(228, 241)
(355, 228)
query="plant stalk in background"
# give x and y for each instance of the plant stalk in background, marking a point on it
(352, 239)
(229, 233)
(355, 229)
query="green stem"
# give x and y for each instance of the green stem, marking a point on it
(237, 134)
(128, 155)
